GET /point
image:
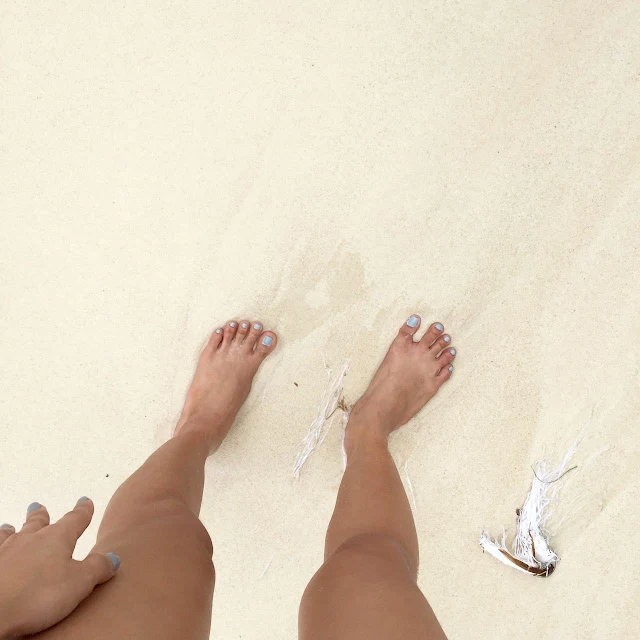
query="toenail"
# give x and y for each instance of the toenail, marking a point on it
(452, 352)
(447, 339)
(6, 525)
(115, 560)
(451, 369)
(232, 324)
(267, 341)
(83, 499)
(244, 325)
(413, 321)
(439, 327)
(33, 506)
(218, 330)
(257, 327)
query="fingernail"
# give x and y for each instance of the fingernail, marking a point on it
(257, 327)
(413, 321)
(439, 327)
(33, 506)
(452, 352)
(115, 560)
(232, 324)
(244, 325)
(267, 341)
(6, 525)
(218, 330)
(451, 369)
(447, 339)
(82, 499)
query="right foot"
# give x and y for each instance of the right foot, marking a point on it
(409, 376)
(223, 378)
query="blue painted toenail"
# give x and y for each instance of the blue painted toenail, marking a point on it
(6, 525)
(244, 325)
(115, 560)
(218, 330)
(233, 324)
(452, 352)
(447, 339)
(33, 506)
(439, 327)
(83, 499)
(267, 341)
(413, 321)
(256, 327)
(451, 368)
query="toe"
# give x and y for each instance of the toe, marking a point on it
(215, 339)
(447, 356)
(255, 331)
(410, 327)
(243, 329)
(266, 344)
(444, 374)
(441, 343)
(230, 331)
(432, 334)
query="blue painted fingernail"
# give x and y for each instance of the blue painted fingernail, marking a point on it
(257, 327)
(439, 327)
(33, 506)
(447, 339)
(82, 499)
(267, 341)
(115, 560)
(452, 352)
(6, 525)
(413, 321)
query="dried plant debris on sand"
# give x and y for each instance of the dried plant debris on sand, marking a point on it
(330, 401)
(531, 550)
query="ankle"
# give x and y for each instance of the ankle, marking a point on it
(199, 432)
(364, 434)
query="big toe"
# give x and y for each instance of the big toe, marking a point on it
(410, 327)
(266, 344)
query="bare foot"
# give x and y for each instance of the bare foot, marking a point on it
(223, 378)
(409, 376)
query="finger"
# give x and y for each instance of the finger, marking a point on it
(37, 518)
(6, 531)
(73, 524)
(95, 569)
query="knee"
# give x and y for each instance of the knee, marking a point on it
(369, 558)
(168, 523)
(187, 527)
(375, 550)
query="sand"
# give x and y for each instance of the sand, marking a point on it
(329, 169)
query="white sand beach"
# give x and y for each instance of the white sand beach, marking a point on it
(329, 169)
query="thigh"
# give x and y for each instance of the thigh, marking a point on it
(366, 591)
(163, 589)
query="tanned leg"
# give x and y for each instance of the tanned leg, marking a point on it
(164, 587)
(367, 587)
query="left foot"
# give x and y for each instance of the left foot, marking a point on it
(223, 378)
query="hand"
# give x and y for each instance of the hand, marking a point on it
(40, 583)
